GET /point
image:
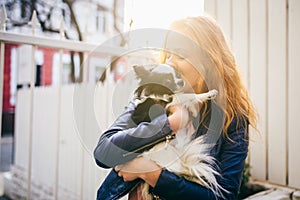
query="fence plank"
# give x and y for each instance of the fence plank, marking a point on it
(93, 175)
(258, 89)
(22, 121)
(44, 127)
(240, 36)
(70, 158)
(223, 9)
(277, 85)
(293, 93)
(90, 139)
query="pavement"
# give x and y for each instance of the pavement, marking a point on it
(4, 198)
(6, 158)
(6, 153)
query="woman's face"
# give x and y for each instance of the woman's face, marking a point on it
(187, 71)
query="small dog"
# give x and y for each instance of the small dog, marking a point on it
(162, 85)
(159, 88)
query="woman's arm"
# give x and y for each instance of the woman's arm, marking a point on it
(125, 136)
(231, 156)
(164, 183)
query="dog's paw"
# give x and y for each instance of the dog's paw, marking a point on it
(210, 95)
(191, 101)
(213, 94)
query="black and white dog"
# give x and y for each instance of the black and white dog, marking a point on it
(163, 85)
(160, 87)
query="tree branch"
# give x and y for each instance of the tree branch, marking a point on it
(123, 39)
(73, 19)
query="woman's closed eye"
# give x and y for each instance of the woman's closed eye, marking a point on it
(170, 56)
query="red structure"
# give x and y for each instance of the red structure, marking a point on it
(46, 72)
(6, 106)
(8, 109)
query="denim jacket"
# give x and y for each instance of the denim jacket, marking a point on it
(124, 136)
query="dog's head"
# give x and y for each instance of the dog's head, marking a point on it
(155, 90)
(159, 80)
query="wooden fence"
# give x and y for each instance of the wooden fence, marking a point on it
(57, 127)
(65, 130)
(264, 35)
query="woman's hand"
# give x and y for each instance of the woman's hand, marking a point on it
(178, 118)
(140, 167)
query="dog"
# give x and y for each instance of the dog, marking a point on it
(162, 85)
(159, 88)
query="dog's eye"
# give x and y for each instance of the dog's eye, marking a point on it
(177, 74)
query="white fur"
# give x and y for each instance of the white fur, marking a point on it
(185, 157)
(191, 100)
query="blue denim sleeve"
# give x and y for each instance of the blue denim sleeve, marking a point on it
(125, 136)
(230, 154)
(171, 186)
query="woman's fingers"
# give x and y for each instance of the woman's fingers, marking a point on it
(118, 168)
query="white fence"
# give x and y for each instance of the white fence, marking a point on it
(57, 127)
(65, 132)
(265, 37)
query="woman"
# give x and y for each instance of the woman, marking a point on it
(209, 64)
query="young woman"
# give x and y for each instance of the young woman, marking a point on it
(197, 48)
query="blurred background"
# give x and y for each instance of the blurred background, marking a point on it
(65, 75)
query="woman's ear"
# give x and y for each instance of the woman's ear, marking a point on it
(140, 71)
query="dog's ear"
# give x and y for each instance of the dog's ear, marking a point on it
(140, 71)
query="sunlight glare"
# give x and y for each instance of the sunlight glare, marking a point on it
(159, 13)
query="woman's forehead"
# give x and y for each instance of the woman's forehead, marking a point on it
(179, 43)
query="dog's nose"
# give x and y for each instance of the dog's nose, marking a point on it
(180, 83)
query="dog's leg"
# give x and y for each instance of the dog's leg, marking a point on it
(190, 101)
(212, 94)
(182, 98)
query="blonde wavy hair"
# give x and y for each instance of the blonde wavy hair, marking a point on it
(205, 31)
